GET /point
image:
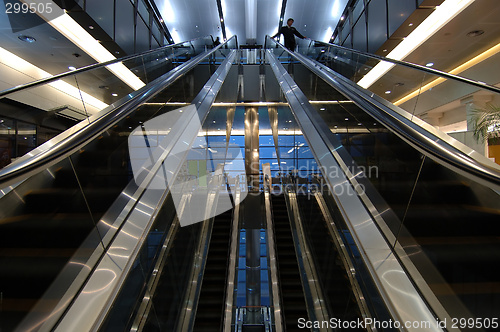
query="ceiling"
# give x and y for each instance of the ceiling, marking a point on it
(187, 19)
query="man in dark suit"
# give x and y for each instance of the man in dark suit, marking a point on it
(289, 34)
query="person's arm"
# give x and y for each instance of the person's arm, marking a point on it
(277, 33)
(295, 32)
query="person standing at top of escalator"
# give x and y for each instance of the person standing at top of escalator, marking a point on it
(289, 34)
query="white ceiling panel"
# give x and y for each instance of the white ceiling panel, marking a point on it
(188, 19)
(234, 16)
(315, 19)
(268, 16)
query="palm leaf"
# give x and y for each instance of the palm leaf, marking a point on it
(486, 123)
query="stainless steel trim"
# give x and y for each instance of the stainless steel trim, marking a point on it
(233, 260)
(186, 322)
(88, 310)
(316, 305)
(346, 261)
(425, 138)
(73, 139)
(273, 266)
(18, 88)
(399, 293)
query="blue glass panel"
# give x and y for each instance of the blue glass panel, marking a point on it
(286, 140)
(267, 152)
(308, 164)
(304, 152)
(287, 152)
(300, 140)
(237, 140)
(266, 140)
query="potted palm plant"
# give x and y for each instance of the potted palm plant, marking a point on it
(486, 123)
(486, 128)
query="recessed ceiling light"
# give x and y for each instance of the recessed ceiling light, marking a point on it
(347, 119)
(410, 25)
(387, 92)
(430, 64)
(27, 39)
(71, 68)
(91, 27)
(114, 94)
(322, 109)
(475, 33)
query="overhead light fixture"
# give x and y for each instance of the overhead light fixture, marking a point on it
(435, 21)
(17, 63)
(472, 62)
(430, 64)
(80, 37)
(27, 39)
(72, 68)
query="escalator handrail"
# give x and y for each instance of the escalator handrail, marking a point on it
(46, 80)
(103, 120)
(434, 145)
(425, 69)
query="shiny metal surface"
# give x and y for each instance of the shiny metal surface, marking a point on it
(62, 146)
(273, 264)
(233, 259)
(315, 301)
(425, 138)
(89, 308)
(186, 322)
(400, 295)
(344, 255)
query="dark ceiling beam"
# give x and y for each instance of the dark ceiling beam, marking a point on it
(221, 20)
(160, 21)
(282, 15)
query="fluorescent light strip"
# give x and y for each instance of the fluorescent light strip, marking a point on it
(255, 104)
(80, 37)
(472, 62)
(435, 21)
(26, 68)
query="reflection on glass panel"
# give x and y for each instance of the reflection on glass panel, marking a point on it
(26, 138)
(304, 152)
(267, 152)
(307, 164)
(238, 140)
(7, 141)
(300, 140)
(216, 141)
(287, 152)
(286, 140)
(235, 165)
(266, 140)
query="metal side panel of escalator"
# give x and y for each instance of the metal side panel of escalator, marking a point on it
(56, 224)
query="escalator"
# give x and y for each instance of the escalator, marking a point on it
(55, 224)
(440, 222)
(332, 274)
(437, 213)
(210, 309)
(292, 296)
